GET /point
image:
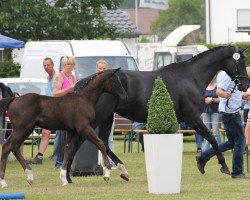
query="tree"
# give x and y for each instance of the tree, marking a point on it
(55, 20)
(180, 12)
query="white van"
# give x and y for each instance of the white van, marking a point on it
(86, 53)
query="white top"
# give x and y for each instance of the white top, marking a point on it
(234, 103)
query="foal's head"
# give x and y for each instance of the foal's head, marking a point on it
(107, 80)
(113, 84)
(235, 66)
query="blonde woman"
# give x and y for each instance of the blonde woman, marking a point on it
(63, 84)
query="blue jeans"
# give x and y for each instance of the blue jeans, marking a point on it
(139, 126)
(236, 141)
(59, 142)
(198, 140)
(212, 121)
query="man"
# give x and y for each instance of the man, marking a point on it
(229, 106)
(49, 68)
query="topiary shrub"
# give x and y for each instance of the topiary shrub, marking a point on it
(161, 115)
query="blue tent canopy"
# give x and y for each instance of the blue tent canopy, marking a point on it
(7, 42)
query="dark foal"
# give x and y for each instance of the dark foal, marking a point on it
(74, 113)
(186, 83)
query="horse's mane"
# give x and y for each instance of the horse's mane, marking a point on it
(196, 57)
(204, 53)
(84, 82)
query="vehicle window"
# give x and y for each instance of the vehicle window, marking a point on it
(183, 57)
(86, 66)
(30, 87)
(162, 59)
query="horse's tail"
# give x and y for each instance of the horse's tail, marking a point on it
(4, 104)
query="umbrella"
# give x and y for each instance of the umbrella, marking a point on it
(7, 42)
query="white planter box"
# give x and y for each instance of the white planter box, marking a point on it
(163, 158)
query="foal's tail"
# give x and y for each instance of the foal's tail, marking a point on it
(4, 104)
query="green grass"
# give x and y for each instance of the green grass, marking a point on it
(213, 185)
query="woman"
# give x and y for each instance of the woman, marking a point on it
(63, 84)
(211, 116)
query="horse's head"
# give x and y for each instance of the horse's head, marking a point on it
(6, 91)
(235, 67)
(114, 86)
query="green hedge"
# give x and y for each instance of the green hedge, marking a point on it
(9, 69)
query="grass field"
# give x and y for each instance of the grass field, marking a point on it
(213, 185)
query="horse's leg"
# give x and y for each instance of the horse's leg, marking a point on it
(104, 132)
(6, 149)
(200, 127)
(69, 150)
(77, 145)
(13, 145)
(90, 134)
(25, 165)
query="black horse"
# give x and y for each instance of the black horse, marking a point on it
(6, 91)
(186, 83)
(73, 113)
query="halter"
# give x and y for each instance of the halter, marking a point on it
(236, 57)
(236, 79)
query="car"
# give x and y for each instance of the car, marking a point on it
(26, 85)
(23, 86)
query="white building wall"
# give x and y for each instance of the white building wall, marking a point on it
(221, 21)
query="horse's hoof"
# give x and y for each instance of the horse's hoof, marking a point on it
(124, 176)
(106, 179)
(65, 184)
(30, 182)
(3, 184)
(225, 170)
(70, 181)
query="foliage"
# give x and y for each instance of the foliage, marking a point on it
(161, 115)
(65, 19)
(144, 40)
(180, 12)
(9, 69)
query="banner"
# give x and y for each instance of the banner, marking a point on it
(157, 4)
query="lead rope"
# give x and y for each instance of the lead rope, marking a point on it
(226, 106)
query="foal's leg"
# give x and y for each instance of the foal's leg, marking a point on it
(5, 153)
(13, 145)
(25, 165)
(69, 150)
(90, 134)
(200, 127)
(104, 132)
(77, 145)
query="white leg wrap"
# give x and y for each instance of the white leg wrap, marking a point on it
(122, 168)
(63, 177)
(107, 172)
(3, 183)
(30, 177)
